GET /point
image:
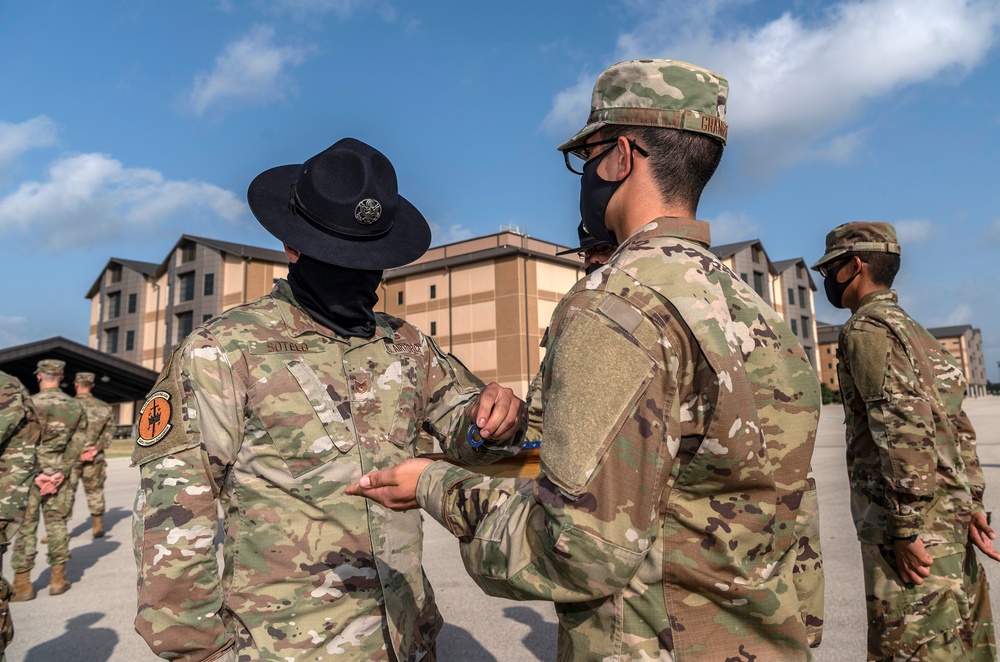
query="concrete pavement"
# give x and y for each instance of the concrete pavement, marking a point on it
(93, 621)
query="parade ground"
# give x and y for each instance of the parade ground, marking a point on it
(93, 621)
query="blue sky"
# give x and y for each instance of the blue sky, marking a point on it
(124, 124)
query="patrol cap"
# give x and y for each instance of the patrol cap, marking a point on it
(50, 367)
(587, 240)
(857, 237)
(84, 378)
(665, 93)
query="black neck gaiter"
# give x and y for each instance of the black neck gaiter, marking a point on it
(341, 299)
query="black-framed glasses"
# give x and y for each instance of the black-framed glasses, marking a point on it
(576, 159)
(834, 269)
(603, 250)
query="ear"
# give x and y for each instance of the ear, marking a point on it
(293, 255)
(623, 158)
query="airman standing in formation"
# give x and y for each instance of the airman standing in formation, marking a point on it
(276, 431)
(64, 433)
(92, 467)
(916, 483)
(670, 519)
(19, 432)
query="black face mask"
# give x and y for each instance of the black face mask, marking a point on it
(592, 268)
(834, 290)
(341, 299)
(595, 195)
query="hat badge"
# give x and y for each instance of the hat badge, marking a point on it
(368, 211)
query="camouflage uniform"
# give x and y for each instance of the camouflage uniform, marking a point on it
(274, 416)
(18, 435)
(670, 517)
(911, 458)
(94, 472)
(64, 433)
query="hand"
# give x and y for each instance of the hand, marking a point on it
(395, 487)
(498, 412)
(45, 484)
(982, 536)
(88, 454)
(57, 480)
(913, 561)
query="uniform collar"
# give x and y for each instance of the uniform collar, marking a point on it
(689, 229)
(879, 296)
(298, 322)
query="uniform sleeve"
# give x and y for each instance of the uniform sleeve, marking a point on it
(808, 574)
(581, 530)
(901, 423)
(450, 390)
(534, 403)
(180, 599)
(77, 441)
(19, 432)
(107, 432)
(967, 447)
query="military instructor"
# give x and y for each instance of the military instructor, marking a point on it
(673, 514)
(273, 409)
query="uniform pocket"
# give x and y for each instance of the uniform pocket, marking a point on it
(312, 421)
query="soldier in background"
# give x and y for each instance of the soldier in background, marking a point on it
(594, 252)
(92, 467)
(273, 409)
(679, 416)
(19, 431)
(916, 483)
(64, 432)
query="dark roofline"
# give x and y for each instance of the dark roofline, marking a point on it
(728, 250)
(950, 331)
(126, 382)
(144, 268)
(232, 248)
(781, 266)
(477, 256)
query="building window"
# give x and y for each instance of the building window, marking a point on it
(206, 317)
(755, 253)
(805, 327)
(795, 328)
(827, 350)
(434, 291)
(115, 273)
(831, 380)
(129, 341)
(111, 340)
(209, 284)
(791, 297)
(185, 284)
(133, 300)
(434, 326)
(802, 298)
(114, 305)
(758, 282)
(185, 324)
(187, 252)
(800, 270)
(829, 366)
(744, 278)
(399, 298)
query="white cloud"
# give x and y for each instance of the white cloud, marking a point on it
(13, 330)
(250, 70)
(447, 235)
(344, 9)
(730, 227)
(961, 314)
(993, 233)
(15, 139)
(914, 231)
(795, 83)
(91, 197)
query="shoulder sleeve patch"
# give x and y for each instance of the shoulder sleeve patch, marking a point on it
(161, 429)
(867, 353)
(597, 377)
(621, 313)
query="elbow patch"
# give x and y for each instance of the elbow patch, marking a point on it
(598, 376)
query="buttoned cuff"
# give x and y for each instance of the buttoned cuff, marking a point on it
(433, 487)
(904, 526)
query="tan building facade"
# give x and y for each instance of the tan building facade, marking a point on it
(962, 342)
(486, 300)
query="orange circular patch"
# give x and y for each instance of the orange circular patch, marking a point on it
(154, 418)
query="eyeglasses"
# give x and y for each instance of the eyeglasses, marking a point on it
(577, 158)
(832, 269)
(600, 251)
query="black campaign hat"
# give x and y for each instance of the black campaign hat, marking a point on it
(341, 207)
(587, 240)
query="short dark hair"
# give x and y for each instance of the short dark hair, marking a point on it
(882, 266)
(682, 161)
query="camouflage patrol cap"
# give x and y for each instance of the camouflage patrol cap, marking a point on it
(84, 378)
(50, 367)
(665, 93)
(857, 237)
